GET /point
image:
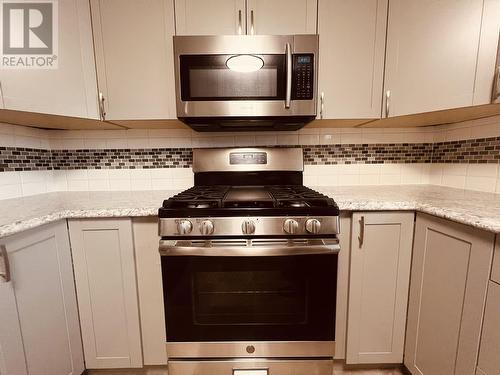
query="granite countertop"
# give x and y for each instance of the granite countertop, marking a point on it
(477, 209)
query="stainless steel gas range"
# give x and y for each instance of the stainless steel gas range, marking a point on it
(249, 264)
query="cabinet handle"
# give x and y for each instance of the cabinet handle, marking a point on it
(361, 236)
(288, 93)
(5, 274)
(387, 102)
(102, 111)
(239, 23)
(321, 105)
(252, 30)
(496, 86)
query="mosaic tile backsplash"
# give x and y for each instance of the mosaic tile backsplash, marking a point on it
(483, 150)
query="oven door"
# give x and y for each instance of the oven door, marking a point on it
(250, 306)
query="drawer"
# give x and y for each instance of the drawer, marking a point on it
(495, 272)
(489, 355)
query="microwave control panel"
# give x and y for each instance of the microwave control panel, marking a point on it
(303, 76)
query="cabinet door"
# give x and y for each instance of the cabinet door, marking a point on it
(69, 90)
(450, 271)
(495, 269)
(150, 285)
(42, 279)
(134, 56)
(487, 63)
(489, 356)
(12, 360)
(432, 48)
(214, 17)
(352, 52)
(342, 285)
(281, 17)
(103, 256)
(381, 246)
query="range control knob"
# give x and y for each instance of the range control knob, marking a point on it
(290, 226)
(184, 227)
(206, 227)
(313, 226)
(248, 227)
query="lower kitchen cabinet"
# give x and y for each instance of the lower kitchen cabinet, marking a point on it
(495, 270)
(150, 286)
(381, 246)
(103, 257)
(342, 285)
(450, 272)
(39, 329)
(489, 355)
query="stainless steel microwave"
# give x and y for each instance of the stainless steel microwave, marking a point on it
(246, 82)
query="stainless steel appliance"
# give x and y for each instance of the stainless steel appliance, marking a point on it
(246, 82)
(249, 264)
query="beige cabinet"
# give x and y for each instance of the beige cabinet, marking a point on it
(71, 88)
(103, 257)
(381, 246)
(150, 288)
(281, 17)
(12, 360)
(495, 271)
(487, 63)
(216, 17)
(134, 57)
(449, 278)
(432, 54)
(228, 17)
(342, 285)
(351, 58)
(489, 355)
(39, 329)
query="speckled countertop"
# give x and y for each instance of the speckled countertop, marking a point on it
(477, 209)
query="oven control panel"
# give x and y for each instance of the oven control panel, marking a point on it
(303, 77)
(249, 226)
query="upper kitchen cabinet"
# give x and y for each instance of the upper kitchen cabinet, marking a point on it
(351, 52)
(68, 88)
(488, 64)
(216, 17)
(281, 17)
(228, 17)
(432, 54)
(134, 57)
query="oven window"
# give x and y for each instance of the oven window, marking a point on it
(250, 298)
(207, 77)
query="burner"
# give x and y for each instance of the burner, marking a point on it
(278, 198)
(293, 204)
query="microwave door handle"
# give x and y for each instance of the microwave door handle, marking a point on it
(288, 93)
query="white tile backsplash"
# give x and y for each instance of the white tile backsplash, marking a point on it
(483, 177)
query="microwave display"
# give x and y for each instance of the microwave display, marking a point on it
(303, 77)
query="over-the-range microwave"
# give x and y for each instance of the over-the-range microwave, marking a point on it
(246, 82)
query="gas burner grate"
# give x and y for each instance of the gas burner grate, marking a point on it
(219, 196)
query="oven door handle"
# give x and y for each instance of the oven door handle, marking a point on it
(251, 249)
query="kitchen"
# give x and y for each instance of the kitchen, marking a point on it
(250, 187)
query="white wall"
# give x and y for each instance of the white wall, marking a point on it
(472, 176)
